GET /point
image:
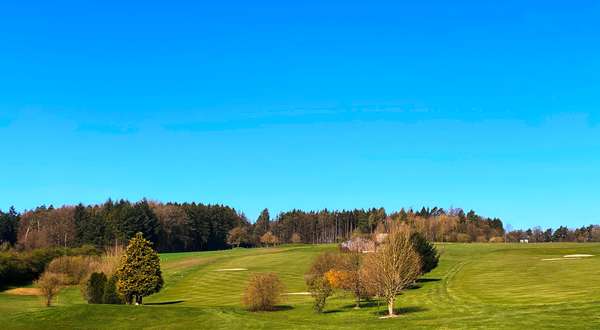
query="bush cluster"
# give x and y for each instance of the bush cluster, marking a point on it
(73, 269)
(17, 268)
(99, 289)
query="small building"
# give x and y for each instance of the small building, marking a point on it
(524, 240)
(359, 244)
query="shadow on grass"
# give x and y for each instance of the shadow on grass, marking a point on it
(419, 282)
(281, 308)
(426, 280)
(370, 303)
(331, 311)
(402, 310)
(165, 303)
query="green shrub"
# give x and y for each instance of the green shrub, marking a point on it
(320, 289)
(111, 296)
(94, 288)
(319, 286)
(18, 268)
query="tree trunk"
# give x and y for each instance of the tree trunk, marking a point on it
(391, 307)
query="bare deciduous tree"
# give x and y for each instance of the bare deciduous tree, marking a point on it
(49, 284)
(238, 235)
(269, 238)
(393, 267)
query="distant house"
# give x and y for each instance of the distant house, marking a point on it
(364, 244)
(359, 244)
(524, 240)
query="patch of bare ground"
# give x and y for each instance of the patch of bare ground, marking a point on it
(24, 292)
(297, 294)
(570, 257)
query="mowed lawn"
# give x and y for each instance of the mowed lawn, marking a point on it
(476, 286)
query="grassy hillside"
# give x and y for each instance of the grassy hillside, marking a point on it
(475, 286)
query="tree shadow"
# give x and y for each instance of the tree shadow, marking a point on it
(426, 280)
(281, 308)
(417, 284)
(366, 303)
(403, 310)
(331, 311)
(165, 303)
(414, 286)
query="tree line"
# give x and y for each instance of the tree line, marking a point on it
(325, 226)
(197, 226)
(170, 227)
(583, 234)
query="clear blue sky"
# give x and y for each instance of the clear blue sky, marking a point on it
(319, 104)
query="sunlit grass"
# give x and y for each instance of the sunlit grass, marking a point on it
(475, 286)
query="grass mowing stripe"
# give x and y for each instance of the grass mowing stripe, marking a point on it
(475, 286)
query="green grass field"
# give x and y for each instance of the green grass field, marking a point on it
(476, 286)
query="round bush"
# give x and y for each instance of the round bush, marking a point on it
(263, 292)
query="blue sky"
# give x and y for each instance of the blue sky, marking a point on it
(319, 104)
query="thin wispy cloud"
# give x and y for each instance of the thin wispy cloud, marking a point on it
(107, 129)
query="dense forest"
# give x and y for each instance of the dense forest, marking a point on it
(195, 227)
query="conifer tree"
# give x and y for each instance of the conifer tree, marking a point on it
(9, 223)
(139, 273)
(427, 251)
(262, 224)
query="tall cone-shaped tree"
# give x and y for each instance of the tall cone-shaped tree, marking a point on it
(139, 271)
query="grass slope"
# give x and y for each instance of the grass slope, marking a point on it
(475, 286)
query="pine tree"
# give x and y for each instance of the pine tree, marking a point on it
(139, 272)
(90, 228)
(262, 224)
(145, 221)
(9, 225)
(427, 251)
